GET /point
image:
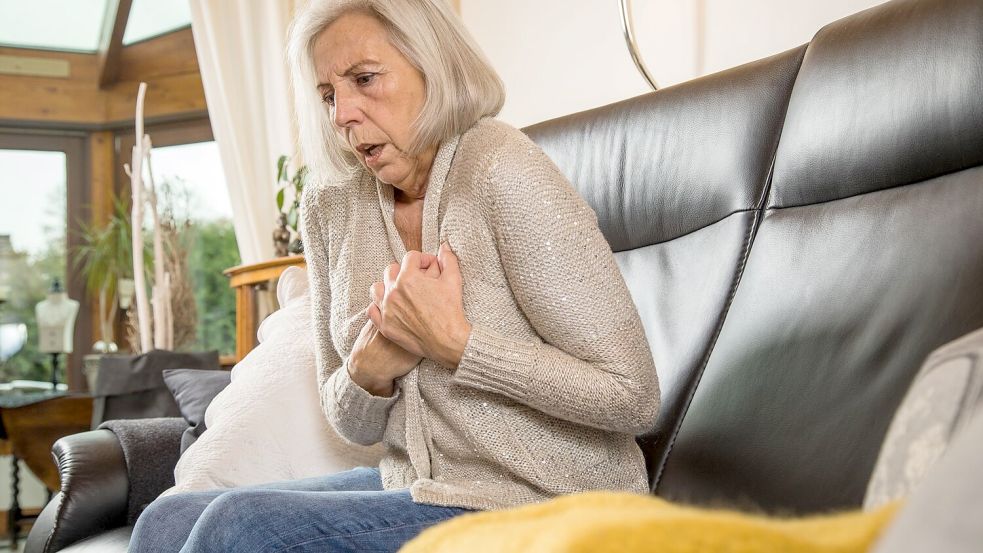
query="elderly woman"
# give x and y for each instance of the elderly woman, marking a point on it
(468, 313)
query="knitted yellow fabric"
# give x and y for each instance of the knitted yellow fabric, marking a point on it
(602, 522)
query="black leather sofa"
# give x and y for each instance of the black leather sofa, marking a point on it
(798, 234)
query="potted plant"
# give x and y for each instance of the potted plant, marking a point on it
(290, 218)
(106, 259)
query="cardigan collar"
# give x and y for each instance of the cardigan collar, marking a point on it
(431, 201)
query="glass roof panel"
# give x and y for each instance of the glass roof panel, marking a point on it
(52, 24)
(149, 18)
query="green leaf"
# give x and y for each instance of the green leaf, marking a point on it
(292, 218)
(104, 254)
(279, 199)
(281, 168)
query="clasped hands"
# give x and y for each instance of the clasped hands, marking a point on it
(417, 311)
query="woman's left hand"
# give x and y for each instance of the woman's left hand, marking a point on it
(419, 306)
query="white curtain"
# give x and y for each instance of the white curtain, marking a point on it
(240, 48)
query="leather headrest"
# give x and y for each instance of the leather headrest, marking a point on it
(662, 165)
(892, 95)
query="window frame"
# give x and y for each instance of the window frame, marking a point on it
(77, 210)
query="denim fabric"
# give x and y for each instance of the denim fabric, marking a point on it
(343, 512)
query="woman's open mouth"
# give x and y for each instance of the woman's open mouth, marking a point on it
(371, 152)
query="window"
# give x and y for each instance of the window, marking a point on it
(74, 25)
(150, 18)
(77, 25)
(39, 178)
(192, 185)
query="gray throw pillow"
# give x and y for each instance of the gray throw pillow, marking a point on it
(132, 386)
(944, 395)
(193, 390)
(944, 512)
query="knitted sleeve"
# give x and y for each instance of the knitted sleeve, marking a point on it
(355, 414)
(593, 365)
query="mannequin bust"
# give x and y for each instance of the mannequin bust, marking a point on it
(56, 320)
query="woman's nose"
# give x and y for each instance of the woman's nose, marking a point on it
(346, 110)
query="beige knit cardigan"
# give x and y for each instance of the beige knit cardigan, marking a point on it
(557, 376)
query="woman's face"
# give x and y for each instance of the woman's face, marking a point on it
(374, 95)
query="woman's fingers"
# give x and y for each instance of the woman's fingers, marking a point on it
(411, 261)
(377, 293)
(389, 276)
(415, 261)
(429, 261)
(363, 334)
(448, 262)
(433, 271)
(375, 315)
(417, 311)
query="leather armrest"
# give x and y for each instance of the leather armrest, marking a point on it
(93, 496)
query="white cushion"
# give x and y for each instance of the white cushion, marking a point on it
(267, 425)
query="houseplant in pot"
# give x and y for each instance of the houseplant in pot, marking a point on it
(106, 259)
(291, 217)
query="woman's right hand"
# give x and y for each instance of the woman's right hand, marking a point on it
(376, 362)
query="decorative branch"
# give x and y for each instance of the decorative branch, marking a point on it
(167, 273)
(161, 293)
(136, 187)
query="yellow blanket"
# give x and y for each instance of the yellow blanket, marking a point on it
(604, 522)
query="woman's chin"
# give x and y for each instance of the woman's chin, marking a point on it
(386, 174)
(380, 174)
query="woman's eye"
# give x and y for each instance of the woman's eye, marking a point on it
(364, 79)
(328, 98)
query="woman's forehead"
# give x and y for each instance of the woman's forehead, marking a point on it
(351, 39)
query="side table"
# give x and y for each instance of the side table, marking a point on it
(29, 425)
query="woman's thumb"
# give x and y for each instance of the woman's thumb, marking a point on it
(447, 259)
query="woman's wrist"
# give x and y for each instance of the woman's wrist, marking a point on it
(452, 350)
(374, 386)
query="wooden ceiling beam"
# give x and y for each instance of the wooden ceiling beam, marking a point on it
(111, 41)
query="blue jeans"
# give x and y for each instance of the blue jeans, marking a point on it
(348, 511)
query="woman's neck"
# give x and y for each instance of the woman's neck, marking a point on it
(414, 187)
(403, 197)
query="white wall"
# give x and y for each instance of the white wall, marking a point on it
(562, 56)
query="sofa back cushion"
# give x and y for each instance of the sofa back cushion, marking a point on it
(798, 234)
(869, 256)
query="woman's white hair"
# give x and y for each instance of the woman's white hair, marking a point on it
(461, 86)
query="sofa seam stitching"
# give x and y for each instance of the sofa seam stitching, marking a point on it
(749, 237)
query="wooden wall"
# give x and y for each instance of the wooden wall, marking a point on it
(168, 64)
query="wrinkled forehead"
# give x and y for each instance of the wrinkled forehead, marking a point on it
(349, 40)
